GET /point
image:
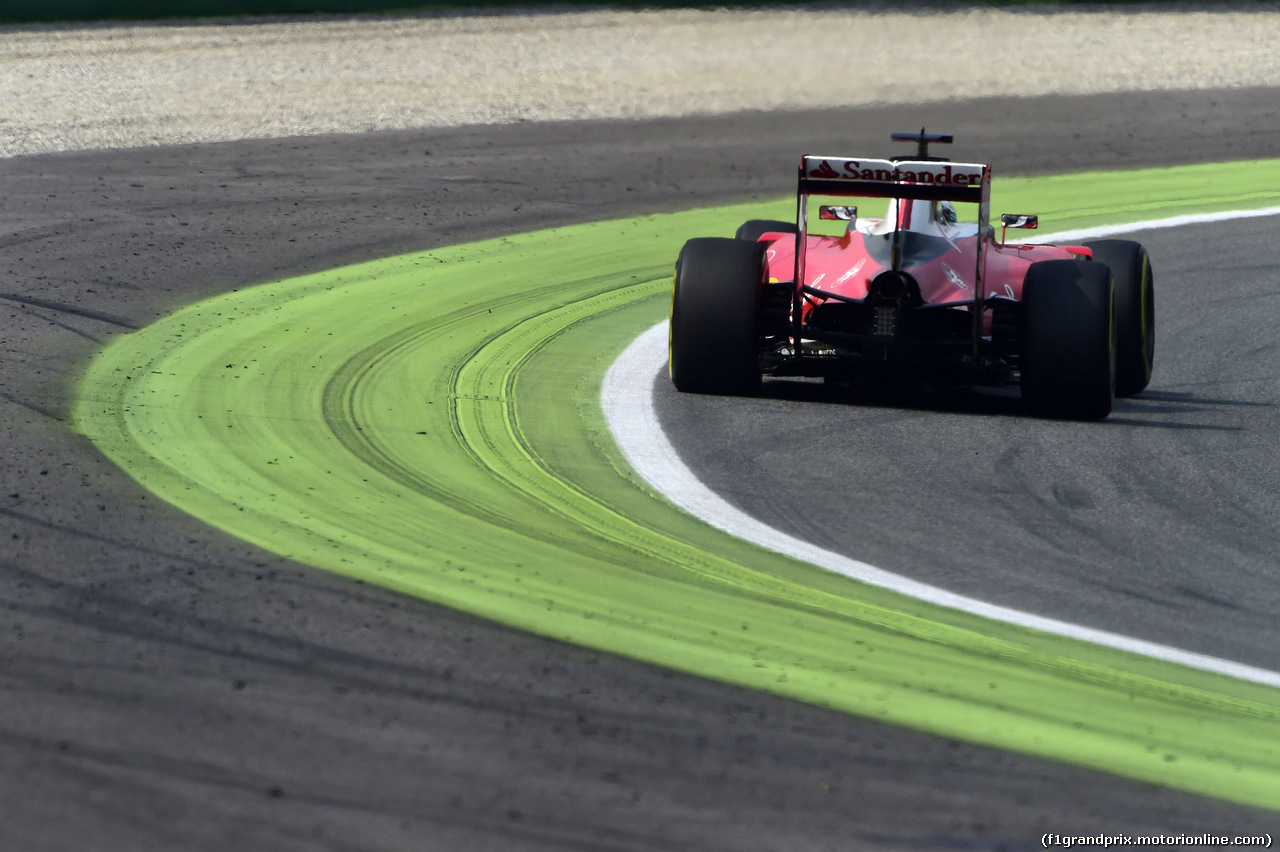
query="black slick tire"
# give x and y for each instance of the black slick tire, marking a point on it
(714, 339)
(1068, 358)
(752, 229)
(1135, 311)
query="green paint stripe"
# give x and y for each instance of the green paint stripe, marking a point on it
(431, 423)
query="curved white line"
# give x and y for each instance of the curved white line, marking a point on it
(1152, 224)
(627, 399)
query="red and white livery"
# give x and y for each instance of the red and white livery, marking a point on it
(920, 292)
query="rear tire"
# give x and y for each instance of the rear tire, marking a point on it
(752, 229)
(1069, 340)
(714, 339)
(1135, 311)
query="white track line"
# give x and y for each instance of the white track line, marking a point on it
(1067, 237)
(627, 399)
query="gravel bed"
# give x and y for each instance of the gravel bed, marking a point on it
(107, 86)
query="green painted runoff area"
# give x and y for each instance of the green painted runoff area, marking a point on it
(431, 423)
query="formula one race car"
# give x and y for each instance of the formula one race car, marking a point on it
(919, 292)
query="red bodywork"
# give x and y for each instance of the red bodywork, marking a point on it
(845, 267)
(914, 289)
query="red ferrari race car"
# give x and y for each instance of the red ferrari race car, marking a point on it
(920, 290)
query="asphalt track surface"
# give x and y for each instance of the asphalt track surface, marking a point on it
(1158, 523)
(165, 686)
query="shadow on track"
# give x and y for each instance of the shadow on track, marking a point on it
(1151, 409)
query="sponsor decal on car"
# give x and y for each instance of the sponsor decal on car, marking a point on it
(954, 277)
(887, 171)
(857, 267)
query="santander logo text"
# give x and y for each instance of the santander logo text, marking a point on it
(885, 171)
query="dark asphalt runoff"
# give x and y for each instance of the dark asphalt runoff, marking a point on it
(165, 686)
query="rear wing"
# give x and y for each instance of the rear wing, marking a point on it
(931, 180)
(924, 179)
